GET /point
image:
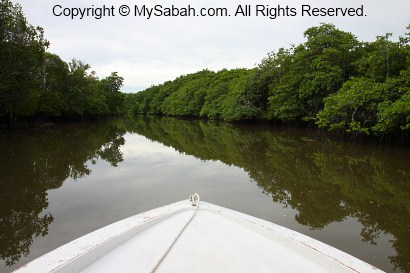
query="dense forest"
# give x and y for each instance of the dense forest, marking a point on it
(332, 81)
(37, 84)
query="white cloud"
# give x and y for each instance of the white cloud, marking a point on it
(147, 52)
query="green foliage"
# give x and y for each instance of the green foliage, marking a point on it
(353, 108)
(22, 48)
(310, 72)
(226, 86)
(383, 58)
(332, 78)
(341, 84)
(214, 95)
(284, 103)
(188, 97)
(378, 102)
(244, 101)
(394, 113)
(35, 83)
(113, 97)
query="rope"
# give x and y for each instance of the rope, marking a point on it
(195, 202)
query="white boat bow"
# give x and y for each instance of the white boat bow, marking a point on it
(181, 237)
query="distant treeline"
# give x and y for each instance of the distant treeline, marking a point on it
(35, 83)
(331, 80)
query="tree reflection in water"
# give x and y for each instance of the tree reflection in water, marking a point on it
(34, 161)
(324, 180)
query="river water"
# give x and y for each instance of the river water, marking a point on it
(60, 182)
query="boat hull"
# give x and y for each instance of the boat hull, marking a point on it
(183, 238)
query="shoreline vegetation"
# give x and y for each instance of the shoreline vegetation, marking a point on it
(36, 85)
(332, 81)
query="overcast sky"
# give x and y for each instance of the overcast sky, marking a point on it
(151, 51)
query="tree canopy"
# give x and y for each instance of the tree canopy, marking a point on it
(36, 83)
(331, 80)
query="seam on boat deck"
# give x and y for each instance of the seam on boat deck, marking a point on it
(211, 243)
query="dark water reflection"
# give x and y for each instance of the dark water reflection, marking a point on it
(324, 180)
(325, 183)
(36, 160)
